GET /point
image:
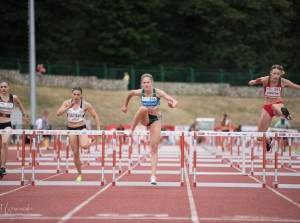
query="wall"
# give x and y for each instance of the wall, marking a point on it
(173, 88)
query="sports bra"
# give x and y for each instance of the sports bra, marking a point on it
(6, 107)
(76, 115)
(273, 92)
(150, 102)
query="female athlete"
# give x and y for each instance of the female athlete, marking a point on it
(7, 101)
(76, 108)
(273, 105)
(149, 115)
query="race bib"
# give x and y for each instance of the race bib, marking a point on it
(273, 92)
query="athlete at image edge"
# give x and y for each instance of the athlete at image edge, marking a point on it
(76, 108)
(7, 103)
(273, 105)
(149, 115)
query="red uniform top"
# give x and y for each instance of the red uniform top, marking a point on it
(273, 92)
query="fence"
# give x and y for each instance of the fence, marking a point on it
(162, 74)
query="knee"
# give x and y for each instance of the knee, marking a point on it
(143, 110)
(4, 144)
(259, 138)
(154, 147)
(85, 146)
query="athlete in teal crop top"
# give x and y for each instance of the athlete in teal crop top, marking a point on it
(149, 115)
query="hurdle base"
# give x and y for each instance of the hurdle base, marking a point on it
(66, 183)
(275, 184)
(120, 170)
(67, 171)
(103, 182)
(230, 185)
(59, 171)
(24, 182)
(147, 184)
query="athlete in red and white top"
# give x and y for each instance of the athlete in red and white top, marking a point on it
(76, 108)
(6, 106)
(273, 105)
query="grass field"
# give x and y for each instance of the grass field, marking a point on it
(108, 105)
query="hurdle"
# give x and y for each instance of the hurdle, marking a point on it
(242, 173)
(183, 136)
(276, 174)
(140, 163)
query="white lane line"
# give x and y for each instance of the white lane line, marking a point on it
(276, 192)
(191, 199)
(80, 206)
(22, 187)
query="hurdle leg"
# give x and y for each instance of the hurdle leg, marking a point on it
(103, 181)
(275, 183)
(23, 180)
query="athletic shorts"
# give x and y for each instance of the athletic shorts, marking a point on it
(5, 124)
(153, 118)
(269, 109)
(77, 128)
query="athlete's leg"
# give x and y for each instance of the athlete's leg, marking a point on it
(277, 109)
(74, 143)
(280, 110)
(140, 116)
(264, 124)
(84, 141)
(4, 149)
(155, 131)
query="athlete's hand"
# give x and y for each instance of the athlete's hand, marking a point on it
(72, 104)
(26, 119)
(172, 104)
(124, 109)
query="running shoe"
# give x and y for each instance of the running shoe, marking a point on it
(268, 145)
(286, 113)
(92, 137)
(1, 175)
(153, 180)
(79, 178)
(3, 170)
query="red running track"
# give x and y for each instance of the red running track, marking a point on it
(147, 204)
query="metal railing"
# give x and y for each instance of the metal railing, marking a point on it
(162, 74)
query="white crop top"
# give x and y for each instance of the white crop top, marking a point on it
(6, 107)
(76, 115)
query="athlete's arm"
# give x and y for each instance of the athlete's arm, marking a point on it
(18, 102)
(129, 96)
(65, 106)
(286, 82)
(257, 81)
(171, 101)
(93, 113)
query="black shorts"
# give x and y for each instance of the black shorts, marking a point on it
(153, 118)
(5, 124)
(77, 128)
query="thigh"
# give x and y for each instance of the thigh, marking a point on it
(145, 119)
(83, 139)
(155, 132)
(264, 122)
(74, 142)
(277, 109)
(5, 137)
